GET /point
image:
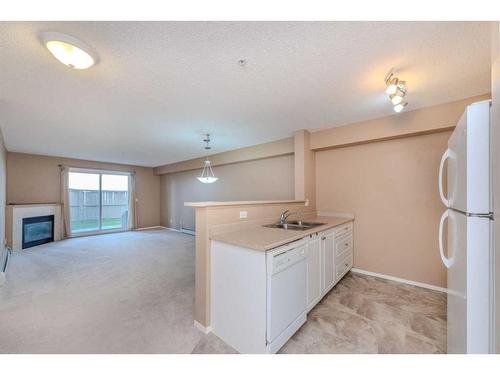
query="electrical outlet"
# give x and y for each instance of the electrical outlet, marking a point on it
(243, 214)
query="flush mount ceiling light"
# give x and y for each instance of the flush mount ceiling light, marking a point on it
(396, 89)
(207, 175)
(70, 51)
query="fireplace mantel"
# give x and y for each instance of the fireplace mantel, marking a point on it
(15, 213)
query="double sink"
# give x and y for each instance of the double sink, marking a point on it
(294, 225)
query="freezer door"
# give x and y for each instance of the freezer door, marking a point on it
(468, 155)
(468, 260)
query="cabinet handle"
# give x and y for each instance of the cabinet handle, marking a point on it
(323, 238)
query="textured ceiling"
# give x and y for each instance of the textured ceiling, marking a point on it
(159, 86)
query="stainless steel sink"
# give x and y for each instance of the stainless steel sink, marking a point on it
(294, 225)
(305, 223)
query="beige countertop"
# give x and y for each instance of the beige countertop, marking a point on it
(262, 238)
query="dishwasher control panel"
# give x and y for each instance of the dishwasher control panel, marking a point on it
(285, 259)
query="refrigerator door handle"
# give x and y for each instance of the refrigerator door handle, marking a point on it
(445, 260)
(445, 156)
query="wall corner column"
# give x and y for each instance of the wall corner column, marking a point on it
(305, 168)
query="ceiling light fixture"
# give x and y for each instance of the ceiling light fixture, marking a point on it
(70, 51)
(207, 175)
(397, 91)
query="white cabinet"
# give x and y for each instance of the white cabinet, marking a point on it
(343, 266)
(328, 258)
(314, 272)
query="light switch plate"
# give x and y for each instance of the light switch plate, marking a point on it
(243, 214)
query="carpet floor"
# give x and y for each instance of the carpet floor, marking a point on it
(133, 292)
(128, 292)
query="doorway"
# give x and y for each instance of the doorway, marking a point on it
(98, 201)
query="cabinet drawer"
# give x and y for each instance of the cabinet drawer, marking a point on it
(343, 245)
(343, 266)
(343, 230)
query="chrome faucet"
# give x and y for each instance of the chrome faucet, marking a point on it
(284, 215)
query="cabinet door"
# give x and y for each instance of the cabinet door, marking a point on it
(314, 272)
(328, 256)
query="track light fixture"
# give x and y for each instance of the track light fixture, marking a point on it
(396, 89)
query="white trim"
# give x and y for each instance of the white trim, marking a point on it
(188, 231)
(95, 232)
(153, 227)
(399, 280)
(335, 214)
(172, 229)
(184, 231)
(99, 171)
(202, 328)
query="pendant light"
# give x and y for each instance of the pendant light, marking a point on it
(207, 175)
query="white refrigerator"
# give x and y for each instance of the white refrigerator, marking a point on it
(468, 251)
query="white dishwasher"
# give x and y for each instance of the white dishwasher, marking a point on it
(286, 292)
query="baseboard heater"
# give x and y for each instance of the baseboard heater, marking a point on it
(4, 264)
(188, 231)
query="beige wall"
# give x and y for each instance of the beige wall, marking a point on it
(305, 170)
(35, 179)
(3, 188)
(263, 179)
(262, 151)
(391, 188)
(385, 172)
(442, 117)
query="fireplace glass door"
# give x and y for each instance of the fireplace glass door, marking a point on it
(98, 201)
(37, 230)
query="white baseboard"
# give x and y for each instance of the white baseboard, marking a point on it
(202, 328)
(399, 280)
(335, 214)
(149, 228)
(185, 231)
(172, 229)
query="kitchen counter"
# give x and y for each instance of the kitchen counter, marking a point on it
(263, 238)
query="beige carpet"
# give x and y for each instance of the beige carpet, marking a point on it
(133, 293)
(116, 293)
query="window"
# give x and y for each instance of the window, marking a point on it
(98, 201)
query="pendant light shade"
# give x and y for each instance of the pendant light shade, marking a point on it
(207, 175)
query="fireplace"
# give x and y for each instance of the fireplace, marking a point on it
(37, 230)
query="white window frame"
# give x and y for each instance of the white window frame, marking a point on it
(100, 172)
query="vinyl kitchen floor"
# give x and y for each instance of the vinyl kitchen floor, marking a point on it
(364, 314)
